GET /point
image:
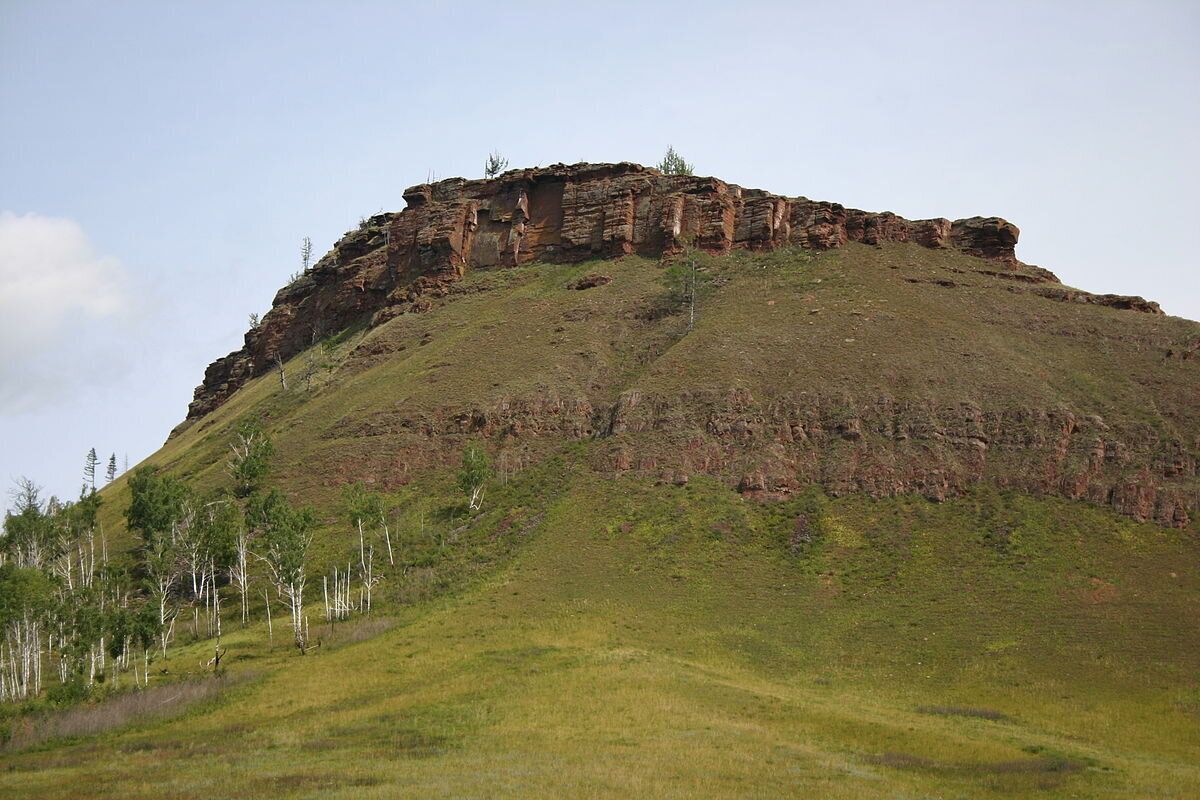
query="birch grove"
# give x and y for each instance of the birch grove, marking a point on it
(68, 616)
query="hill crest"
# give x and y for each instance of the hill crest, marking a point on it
(909, 357)
(562, 214)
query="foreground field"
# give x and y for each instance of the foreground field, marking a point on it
(665, 641)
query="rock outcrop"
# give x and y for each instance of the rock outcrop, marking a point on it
(396, 261)
(881, 445)
(1075, 439)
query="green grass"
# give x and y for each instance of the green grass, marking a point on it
(669, 641)
(619, 621)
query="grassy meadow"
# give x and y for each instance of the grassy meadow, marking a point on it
(664, 641)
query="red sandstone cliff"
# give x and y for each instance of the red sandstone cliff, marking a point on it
(556, 214)
(410, 261)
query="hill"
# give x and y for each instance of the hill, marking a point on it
(908, 357)
(791, 499)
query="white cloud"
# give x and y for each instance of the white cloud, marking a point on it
(59, 299)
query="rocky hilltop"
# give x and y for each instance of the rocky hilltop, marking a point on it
(910, 357)
(558, 214)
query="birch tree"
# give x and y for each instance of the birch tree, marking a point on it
(239, 566)
(26, 595)
(474, 475)
(688, 278)
(367, 514)
(284, 534)
(250, 461)
(26, 535)
(160, 509)
(144, 633)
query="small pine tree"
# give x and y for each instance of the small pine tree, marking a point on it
(495, 164)
(89, 469)
(306, 254)
(673, 164)
(111, 472)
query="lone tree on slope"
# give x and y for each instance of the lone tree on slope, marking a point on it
(89, 469)
(474, 475)
(251, 460)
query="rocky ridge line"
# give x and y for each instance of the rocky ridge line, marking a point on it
(557, 214)
(395, 262)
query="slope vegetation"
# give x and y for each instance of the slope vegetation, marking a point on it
(882, 523)
(656, 640)
(892, 369)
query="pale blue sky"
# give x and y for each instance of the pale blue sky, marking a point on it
(161, 162)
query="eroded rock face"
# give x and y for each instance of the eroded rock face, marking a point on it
(394, 263)
(1117, 301)
(405, 262)
(881, 446)
(986, 237)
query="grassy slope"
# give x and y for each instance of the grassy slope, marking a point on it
(665, 641)
(849, 322)
(591, 636)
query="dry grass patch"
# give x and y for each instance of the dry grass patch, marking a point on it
(116, 712)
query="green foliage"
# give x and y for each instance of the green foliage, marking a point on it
(673, 164)
(72, 692)
(218, 523)
(495, 164)
(251, 460)
(24, 591)
(118, 626)
(285, 533)
(362, 505)
(144, 626)
(86, 511)
(475, 473)
(683, 280)
(156, 502)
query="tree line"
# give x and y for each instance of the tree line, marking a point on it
(66, 607)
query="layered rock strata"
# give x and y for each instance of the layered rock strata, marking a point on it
(394, 262)
(766, 446)
(878, 445)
